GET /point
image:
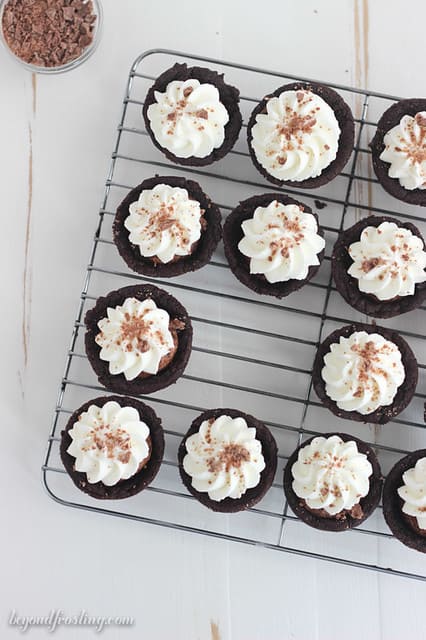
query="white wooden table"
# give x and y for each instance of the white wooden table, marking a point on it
(56, 138)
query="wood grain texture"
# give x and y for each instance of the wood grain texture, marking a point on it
(27, 273)
(361, 80)
(26, 293)
(214, 629)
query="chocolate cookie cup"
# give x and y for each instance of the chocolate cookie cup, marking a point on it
(228, 96)
(391, 118)
(200, 252)
(137, 482)
(240, 264)
(398, 522)
(404, 393)
(344, 119)
(252, 495)
(345, 519)
(166, 375)
(347, 285)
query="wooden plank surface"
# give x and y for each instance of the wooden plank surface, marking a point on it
(56, 139)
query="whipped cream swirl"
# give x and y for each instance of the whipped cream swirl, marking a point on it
(134, 337)
(363, 372)
(188, 119)
(413, 492)
(405, 150)
(281, 241)
(388, 261)
(109, 443)
(224, 458)
(164, 223)
(331, 474)
(297, 137)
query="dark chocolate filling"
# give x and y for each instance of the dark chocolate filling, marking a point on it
(140, 385)
(347, 286)
(229, 97)
(141, 479)
(390, 119)
(344, 117)
(201, 254)
(345, 519)
(397, 521)
(251, 496)
(240, 264)
(404, 393)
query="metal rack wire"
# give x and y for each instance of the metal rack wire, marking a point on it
(249, 351)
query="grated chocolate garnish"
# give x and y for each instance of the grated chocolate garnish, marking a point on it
(173, 117)
(296, 125)
(370, 360)
(135, 329)
(415, 148)
(292, 236)
(115, 444)
(165, 219)
(231, 456)
(48, 33)
(370, 263)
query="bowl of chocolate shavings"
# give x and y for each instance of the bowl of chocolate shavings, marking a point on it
(50, 36)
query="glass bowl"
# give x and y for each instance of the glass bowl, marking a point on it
(72, 64)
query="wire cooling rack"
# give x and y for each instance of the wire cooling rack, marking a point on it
(250, 352)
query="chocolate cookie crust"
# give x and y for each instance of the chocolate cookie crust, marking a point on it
(140, 385)
(347, 286)
(210, 235)
(229, 97)
(141, 479)
(344, 117)
(392, 503)
(345, 520)
(240, 264)
(251, 496)
(390, 119)
(404, 393)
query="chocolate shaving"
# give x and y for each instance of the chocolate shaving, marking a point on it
(370, 263)
(357, 512)
(202, 113)
(420, 119)
(319, 204)
(48, 33)
(177, 325)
